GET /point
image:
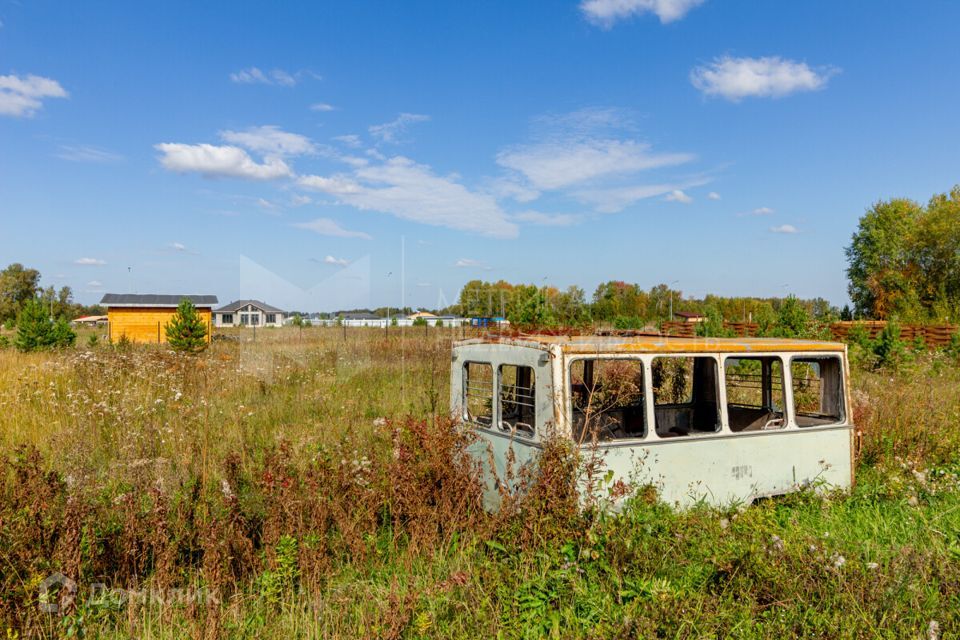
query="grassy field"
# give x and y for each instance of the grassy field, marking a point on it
(307, 485)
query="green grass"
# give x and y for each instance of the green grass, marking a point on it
(263, 473)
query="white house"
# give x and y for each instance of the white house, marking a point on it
(248, 313)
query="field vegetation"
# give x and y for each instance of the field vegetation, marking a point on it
(308, 485)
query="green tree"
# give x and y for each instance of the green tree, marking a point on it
(37, 330)
(793, 319)
(18, 285)
(878, 258)
(186, 331)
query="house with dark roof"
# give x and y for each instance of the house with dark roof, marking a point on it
(248, 313)
(142, 317)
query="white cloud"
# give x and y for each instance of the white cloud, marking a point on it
(393, 131)
(713, 195)
(266, 205)
(322, 106)
(85, 153)
(96, 284)
(278, 77)
(759, 211)
(328, 227)
(614, 199)
(510, 188)
(470, 263)
(298, 200)
(556, 164)
(606, 12)
(90, 262)
(351, 140)
(178, 246)
(337, 185)
(547, 219)
(21, 97)
(769, 77)
(784, 228)
(412, 191)
(270, 140)
(340, 262)
(677, 195)
(214, 161)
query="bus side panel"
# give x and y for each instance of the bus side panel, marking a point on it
(504, 464)
(727, 470)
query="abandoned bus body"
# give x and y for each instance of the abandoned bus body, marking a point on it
(719, 420)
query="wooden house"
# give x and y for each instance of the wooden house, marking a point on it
(144, 317)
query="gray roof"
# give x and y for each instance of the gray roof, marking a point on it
(360, 316)
(154, 300)
(239, 304)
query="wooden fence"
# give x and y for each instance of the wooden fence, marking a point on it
(934, 335)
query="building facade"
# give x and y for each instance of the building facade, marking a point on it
(144, 317)
(248, 313)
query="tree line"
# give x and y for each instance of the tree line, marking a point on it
(20, 285)
(624, 305)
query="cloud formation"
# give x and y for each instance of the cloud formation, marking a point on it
(605, 13)
(339, 262)
(470, 263)
(677, 195)
(556, 164)
(328, 227)
(547, 219)
(85, 153)
(614, 199)
(769, 77)
(759, 211)
(213, 161)
(89, 262)
(392, 132)
(22, 97)
(322, 107)
(277, 77)
(412, 191)
(270, 140)
(784, 228)
(713, 195)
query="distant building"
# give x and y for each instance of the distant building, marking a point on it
(248, 313)
(488, 322)
(689, 316)
(426, 315)
(144, 317)
(360, 316)
(89, 321)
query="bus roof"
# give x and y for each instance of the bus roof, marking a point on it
(655, 344)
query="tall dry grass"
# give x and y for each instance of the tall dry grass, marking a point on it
(307, 484)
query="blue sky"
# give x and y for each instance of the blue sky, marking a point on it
(293, 152)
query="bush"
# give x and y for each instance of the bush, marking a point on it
(890, 350)
(36, 330)
(186, 331)
(419, 322)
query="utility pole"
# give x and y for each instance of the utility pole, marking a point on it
(671, 298)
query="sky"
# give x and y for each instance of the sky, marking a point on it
(329, 155)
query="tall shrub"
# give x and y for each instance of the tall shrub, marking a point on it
(186, 331)
(36, 330)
